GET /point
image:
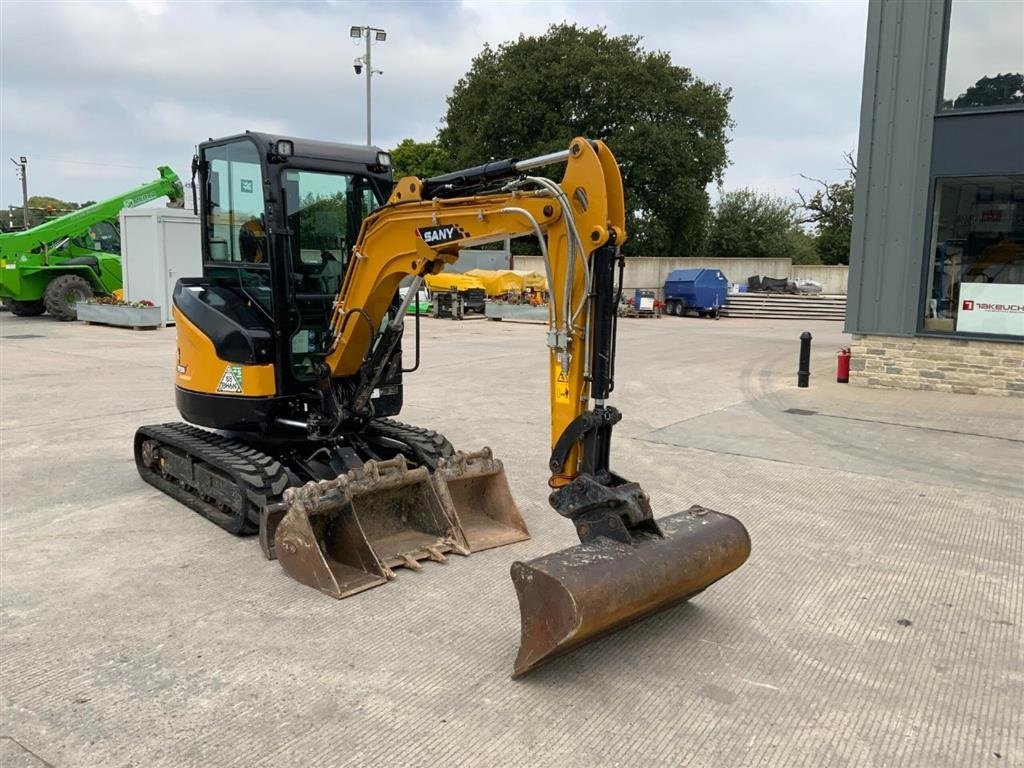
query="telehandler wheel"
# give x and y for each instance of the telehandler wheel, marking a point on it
(26, 308)
(62, 294)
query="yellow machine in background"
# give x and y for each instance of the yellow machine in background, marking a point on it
(532, 281)
(452, 281)
(500, 282)
(455, 294)
(297, 360)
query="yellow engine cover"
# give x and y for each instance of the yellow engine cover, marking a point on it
(200, 370)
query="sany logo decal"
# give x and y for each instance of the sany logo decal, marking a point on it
(968, 304)
(441, 234)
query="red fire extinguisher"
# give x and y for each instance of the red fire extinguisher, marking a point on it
(843, 366)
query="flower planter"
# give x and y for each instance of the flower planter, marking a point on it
(113, 314)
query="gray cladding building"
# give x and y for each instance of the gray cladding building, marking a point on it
(936, 292)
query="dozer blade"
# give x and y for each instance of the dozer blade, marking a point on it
(571, 597)
(474, 491)
(345, 535)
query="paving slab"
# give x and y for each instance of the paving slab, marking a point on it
(878, 621)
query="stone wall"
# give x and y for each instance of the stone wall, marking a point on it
(946, 365)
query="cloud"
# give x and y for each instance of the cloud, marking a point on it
(139, 84)
(177, 122)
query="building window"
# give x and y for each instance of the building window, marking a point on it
(984, 55)
(976, 280)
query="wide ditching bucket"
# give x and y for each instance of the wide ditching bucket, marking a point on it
(475, 493)
(571, 597)
(345, 535)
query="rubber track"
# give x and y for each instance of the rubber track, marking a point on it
(427, 445)
(262, 478)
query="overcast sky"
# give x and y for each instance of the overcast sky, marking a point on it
(96, 95)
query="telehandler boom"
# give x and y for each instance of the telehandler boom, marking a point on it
(290, 347)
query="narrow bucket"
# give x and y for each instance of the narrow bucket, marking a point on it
(474, 490)
(319, 543)
(571, 597)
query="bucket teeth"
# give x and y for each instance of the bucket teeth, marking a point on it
(345, 535)
(435, 554)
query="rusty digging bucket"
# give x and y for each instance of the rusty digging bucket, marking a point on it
(345, 535)
(573, 596)
(474, 491)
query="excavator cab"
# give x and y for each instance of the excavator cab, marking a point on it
(280, 218)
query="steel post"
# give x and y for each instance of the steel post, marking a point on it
(803, 375)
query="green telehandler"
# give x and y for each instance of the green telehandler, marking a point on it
(51, 267)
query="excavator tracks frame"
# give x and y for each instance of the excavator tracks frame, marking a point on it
(226, 481)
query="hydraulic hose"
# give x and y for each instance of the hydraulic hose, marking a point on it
(552, 320)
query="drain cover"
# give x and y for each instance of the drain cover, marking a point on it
(800, 412)
(24, 336)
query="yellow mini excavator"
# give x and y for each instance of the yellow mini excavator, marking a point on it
(290, 357)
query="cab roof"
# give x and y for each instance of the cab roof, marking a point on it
(313, 149)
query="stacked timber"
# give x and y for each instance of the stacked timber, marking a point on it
(785, 306)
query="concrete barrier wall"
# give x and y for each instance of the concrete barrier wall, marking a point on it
(647, 272)
(833, 278)
(736, 270)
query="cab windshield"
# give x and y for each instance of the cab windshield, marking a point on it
(324, 213)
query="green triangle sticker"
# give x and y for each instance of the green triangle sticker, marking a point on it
(231, 381)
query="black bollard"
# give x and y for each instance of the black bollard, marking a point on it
(803, 375)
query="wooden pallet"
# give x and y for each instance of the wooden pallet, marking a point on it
(786, 306)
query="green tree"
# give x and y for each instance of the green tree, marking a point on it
(748, 224)
(419, 158)
(802, 248)
(830, 211)
(992, 91)
(41, 208)
(666, 127)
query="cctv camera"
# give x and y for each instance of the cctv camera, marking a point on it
(357, 65)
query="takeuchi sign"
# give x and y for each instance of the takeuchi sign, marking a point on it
(991, 308)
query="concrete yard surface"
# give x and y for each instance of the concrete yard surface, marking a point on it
(878, 621)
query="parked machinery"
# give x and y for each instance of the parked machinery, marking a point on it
(456, 294)
(300, 383)
(51, 267)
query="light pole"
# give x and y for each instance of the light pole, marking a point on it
(22, 165)
(365, 61)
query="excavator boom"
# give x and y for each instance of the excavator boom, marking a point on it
(627, 565)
